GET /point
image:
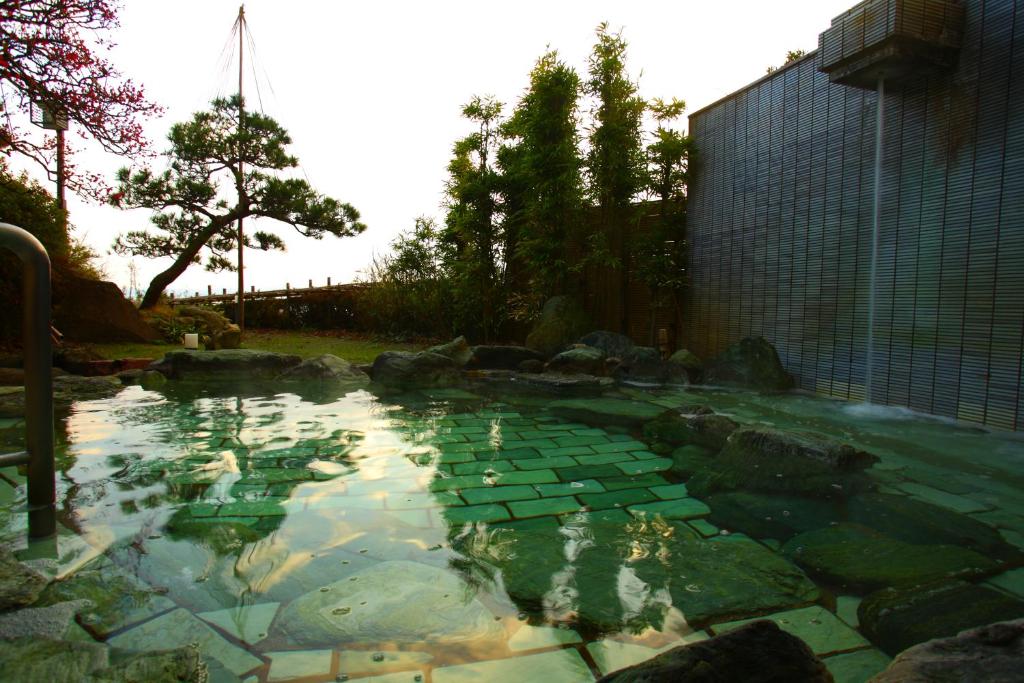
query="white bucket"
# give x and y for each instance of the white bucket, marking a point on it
(192, 342)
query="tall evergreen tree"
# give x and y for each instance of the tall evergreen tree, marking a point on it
(544, 168)
(473, 228)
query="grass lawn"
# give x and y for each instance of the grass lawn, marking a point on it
(352, 348)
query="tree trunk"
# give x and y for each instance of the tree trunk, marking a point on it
(159, 283)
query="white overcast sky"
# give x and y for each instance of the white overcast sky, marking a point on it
(371, 92)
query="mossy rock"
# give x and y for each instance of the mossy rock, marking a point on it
(584, 360)
(457, 349)
(688, 460)
(699, 426)
(915, 521)
(401, 370)
(227, 365)
(606, 411)
(897, 618)
(561, 321)
(771, 461)
(752, 363)
(860, 559)
(770, 516)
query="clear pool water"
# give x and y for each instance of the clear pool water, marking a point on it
(459, 536)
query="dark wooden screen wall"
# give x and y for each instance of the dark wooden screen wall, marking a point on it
(780, 225)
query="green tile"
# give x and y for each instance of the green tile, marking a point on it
(456, 458)
(536, 443)
(448, 438)
(476, 513)
(823, 632)
(545, 463)
(704, 527)
(603, 458)
(573, 440)
(613, 516)
(248, 623)
(616, 446)
(517, 454)
(534, 524)
(498, 494)
(645, 466)
(570, 488)
(1011, 581)
(260, 508)
(476, 429)
(639, 481)
(670, 492)
(590, 431)
(683, 508)
(464, 481)
(467, 447)
(567, 450)
(538, 434)
(579, 472)
(483, 466)
(532, 477)
(565, 426)
(617, 499)
(612, 655)
(949, 501)
(644, 455)
(544, 506)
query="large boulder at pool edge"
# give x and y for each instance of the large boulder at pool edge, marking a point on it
(753, 363)
(989, 653)
(759, 652)
(232, 365)
(561, 321)
(402, 370)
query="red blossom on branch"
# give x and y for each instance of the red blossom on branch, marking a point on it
(51, 51)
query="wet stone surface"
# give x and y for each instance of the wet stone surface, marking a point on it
(453, 535)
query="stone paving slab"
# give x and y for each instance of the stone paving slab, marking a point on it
(178, 629)
(604, 458)
(538, 637)
(617, 499)
(846, 609)
(566, 450)
(571, 488)
(498, 494)
(544, 506)
(612, 655)
(483, 467)
(1011, 581)
(645, 466)
(704, 527)
(617, 446)
(563, 666)
(365, 661)
(465, 481)
(949, 501)
(823, 632)
(683, 508)
(617, 483)
(856, 667)
(670, 492)
(561, 461)
(476, 513)
(292, 664)
(517, 453)
(600, 472)
(249, 623)
(531, 477)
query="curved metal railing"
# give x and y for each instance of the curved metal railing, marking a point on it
(42, 492)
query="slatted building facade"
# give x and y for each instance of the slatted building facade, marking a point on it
(782, 208)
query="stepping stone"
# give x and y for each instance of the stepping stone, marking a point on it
(684, 508)
(856, 667)
(178, 629)
(285, 666)
(564, 666)
(816, 626)
(544, 506)
(249, 623)
(612, 655)
(537, 637)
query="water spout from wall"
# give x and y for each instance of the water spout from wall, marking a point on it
(875, 227)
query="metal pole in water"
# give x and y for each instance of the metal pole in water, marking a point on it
(42, 487)
(875, 227)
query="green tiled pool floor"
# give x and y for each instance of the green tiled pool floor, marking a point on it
(529, 547)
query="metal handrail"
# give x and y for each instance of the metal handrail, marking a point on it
(38, 455)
